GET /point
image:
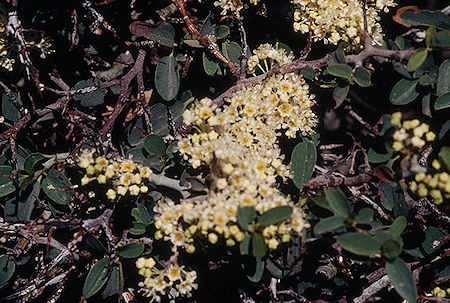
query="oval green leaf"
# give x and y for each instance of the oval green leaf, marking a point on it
(245, 216)
(303, 160)
(338, 202)
(402, 279)
(417, 59)
(222, 31)
(96, 278)
(232, 51)
(275, 215)
(359, 243)
(167, 78)
(155, 145)
(443, 82)
(209, 65)
(244, 246)
(57, 187)
(32, 160)
(365, 215)
(362, 76)
(432, 234)
(340, 70)
(7, 268)
(131, 250)
(115, 281)
(398, 225)
(404, 92)
(329, 224)
(92, 98)
(259, 247)
(442, 102)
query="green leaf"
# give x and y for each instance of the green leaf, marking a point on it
(7, 268)
(138, 228)
(275, 215)
(444, 154)
(6, 183)
(392, 248)
(131, 250)
(245, 216)
(398, 225)
(222, 31)
(441, 39)
(208, 25)
(417, 59)
(329, 224)
(303, 160)
(359, 243)
(155, 145)
(244, 246)
(402, 279)
(164, 34)
(338, 202)
(167, 78)
(431, 32)
(259, 269)
(375, 157)
(443, 82)
(308, 74)
(432, 234)
(9, 110)
(141, 214)
(365, 215)
(57, 187)
(209, 65)
(259, 247)
(423, 17)
(20, 208)
(442, 102)
(444, 129)
(93, 98)
(339, 95)
(232, 51)
(96, 278)
(340, 70)
(362, 76)
(32, 160)
(404, 92)
(115, 282)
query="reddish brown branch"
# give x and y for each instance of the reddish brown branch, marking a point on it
(204, 40)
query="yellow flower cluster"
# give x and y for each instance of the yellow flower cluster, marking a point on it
(234, 6)
(123, 174)
(437, 185)
(5, 62)
(340, 20)
(171, 278)
(239, 144)
(411, 135)
(440, 293)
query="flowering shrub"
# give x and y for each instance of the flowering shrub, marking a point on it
(204, 151)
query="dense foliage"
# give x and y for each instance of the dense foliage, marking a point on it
(224, 151)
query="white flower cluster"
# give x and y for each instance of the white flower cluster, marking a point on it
(239, 144)
(125, 175)
(234, 6)
(273, 54)
(158, 282)
(333, 21)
